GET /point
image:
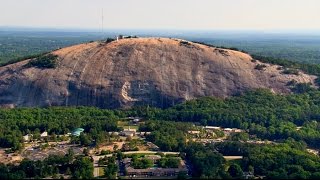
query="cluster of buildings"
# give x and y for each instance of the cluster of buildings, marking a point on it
(125, 37)
(29, 137)
(226, 130)
(153, 171)
(75, 132)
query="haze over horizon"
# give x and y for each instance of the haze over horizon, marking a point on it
(164, 14)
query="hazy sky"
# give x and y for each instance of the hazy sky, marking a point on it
(165, 14)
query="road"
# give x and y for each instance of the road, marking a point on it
(150, 152)
(96, 172)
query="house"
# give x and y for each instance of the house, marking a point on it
(44, 134)
(128, 133)
(27, 137)
(77, 131)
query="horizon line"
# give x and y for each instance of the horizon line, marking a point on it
(97, 30)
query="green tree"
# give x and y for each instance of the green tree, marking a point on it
(83, 168)
(111, 170)
(235, 171)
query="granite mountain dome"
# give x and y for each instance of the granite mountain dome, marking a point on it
(138, 71)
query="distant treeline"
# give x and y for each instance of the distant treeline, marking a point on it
(22, 59)
(313, 69)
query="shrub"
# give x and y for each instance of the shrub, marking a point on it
(45, 61)
(302, 88)
(186, 43)
(142, 163)
(260, 67)
(290, 71)
(105, 152)
(317, 81)
(109, 40)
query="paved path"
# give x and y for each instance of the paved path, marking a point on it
(150, 152)
(228, 158)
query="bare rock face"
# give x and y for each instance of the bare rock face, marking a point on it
(141, 71)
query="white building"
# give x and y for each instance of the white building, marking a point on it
(128, 133)
(129, 129)
(113, 133)
(227, 129)
(44, 134)
(27, 137)
(194, 132)
(237, 130)
(212, 127)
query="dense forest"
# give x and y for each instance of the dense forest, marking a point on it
(17, 122)
(19, 45)
(261, 113)
(76, 167)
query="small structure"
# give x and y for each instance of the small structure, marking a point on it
(113, 133)
(227, 130)
(212, 128)
(136, 121)
(77, 131)
(194, 132)
(125, 37)
(237, 130)
(248, 175)
(128, 133)
(153, 146)
(27, 137)
(129, 129)
(44, 134)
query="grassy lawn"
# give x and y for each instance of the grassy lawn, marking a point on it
(101, 171)
(125, 125)
(131, 127)
(139, 155)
